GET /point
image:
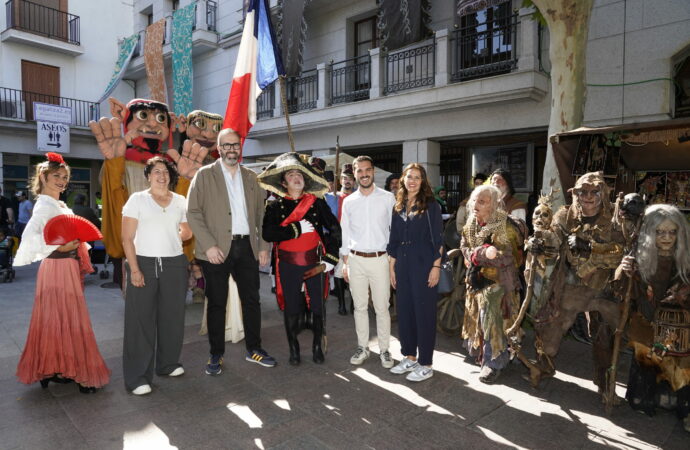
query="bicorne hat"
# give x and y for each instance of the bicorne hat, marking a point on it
(272, 177)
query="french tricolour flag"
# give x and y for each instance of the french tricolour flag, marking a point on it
(258, 65)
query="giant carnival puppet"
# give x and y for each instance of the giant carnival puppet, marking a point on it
(147, 124)
(591, 248)
(307, 238)
(659, 326)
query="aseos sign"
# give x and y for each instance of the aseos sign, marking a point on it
(52, 127)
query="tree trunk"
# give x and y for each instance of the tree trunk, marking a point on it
(568, 22)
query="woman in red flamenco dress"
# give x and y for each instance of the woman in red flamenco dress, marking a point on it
(60, 346)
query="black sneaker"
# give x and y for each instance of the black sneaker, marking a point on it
(260, 356)
(214, 365)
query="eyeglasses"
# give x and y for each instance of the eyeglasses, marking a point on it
(228, 146)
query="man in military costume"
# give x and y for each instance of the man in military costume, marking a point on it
(307, 238)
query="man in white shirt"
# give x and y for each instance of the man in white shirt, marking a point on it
(225, 209)
(365, 223)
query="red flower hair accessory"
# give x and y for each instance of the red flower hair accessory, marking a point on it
(55, 157)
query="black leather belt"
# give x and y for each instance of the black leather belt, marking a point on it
(236, 237)
(367, 255)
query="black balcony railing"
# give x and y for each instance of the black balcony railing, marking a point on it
(211, 13)
(16, 104)
(266, 102)
(41, 20)
(410, 68)
(302, 91)
(350, 80)
(484, 49)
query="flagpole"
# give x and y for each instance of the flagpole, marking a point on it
(283, 99)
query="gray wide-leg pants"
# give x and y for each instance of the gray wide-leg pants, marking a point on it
(154, 319)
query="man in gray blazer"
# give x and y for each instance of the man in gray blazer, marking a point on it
(225, 209)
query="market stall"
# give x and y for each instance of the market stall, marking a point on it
(651, 158)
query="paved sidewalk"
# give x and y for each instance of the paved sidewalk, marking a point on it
(334, 405)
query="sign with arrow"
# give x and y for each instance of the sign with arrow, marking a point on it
(52, 127)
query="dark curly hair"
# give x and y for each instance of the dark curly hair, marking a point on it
(172, 169)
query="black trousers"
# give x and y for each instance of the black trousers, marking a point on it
(291, 282)
(244, 268)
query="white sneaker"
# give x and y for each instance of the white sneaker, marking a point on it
(177, 372)
(420, 373)
(406, 365)
(361, 355)
(386, 360)
(142, 390)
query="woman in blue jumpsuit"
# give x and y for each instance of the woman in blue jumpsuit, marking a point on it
(415, 249)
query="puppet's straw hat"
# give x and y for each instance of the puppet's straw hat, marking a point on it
(271, 178)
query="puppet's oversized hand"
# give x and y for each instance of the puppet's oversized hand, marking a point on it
(191, 159)
(108, 134)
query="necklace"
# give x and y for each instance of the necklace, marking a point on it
(160, 200)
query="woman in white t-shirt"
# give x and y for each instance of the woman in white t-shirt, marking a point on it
(154, 225)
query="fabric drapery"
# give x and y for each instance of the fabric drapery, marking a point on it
(153, 60)
(472, 6)
(127, 46)
(183, 71)
(403, 22)
(291, 31)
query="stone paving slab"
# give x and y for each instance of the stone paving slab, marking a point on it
(334, 405)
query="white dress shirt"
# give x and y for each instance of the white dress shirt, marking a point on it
(238, 207)
(366, 221)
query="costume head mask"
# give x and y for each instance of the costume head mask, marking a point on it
(202, 128)
(543, 213)
(149, 117)
(591, 192)
(542, 217)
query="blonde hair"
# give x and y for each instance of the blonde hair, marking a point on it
(45, 168)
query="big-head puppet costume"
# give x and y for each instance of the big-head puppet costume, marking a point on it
(147, 124)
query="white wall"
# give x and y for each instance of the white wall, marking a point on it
(82, 77)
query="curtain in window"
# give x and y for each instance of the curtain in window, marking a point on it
(403, 22)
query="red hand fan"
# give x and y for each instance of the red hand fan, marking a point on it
(67, 227)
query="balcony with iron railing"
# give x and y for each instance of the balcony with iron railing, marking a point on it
(495, 61)
(204, 36)
(18, 105)
(38, 25)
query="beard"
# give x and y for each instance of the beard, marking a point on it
(231, 159)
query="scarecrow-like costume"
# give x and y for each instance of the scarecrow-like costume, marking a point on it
(297, 252)
(492, 301)
(592, 248)
(659, 326)
(147, 124)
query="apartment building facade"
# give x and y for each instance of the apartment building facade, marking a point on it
(60, 52)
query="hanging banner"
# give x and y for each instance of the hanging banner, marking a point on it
(472, 6)
(291, 31)
(127, 47)
(403, 22)
(153, 60)
(183, 71)
(52, 127)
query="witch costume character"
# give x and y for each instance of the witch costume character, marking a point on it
(492, 246)
(307, 238)
(659, 326)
